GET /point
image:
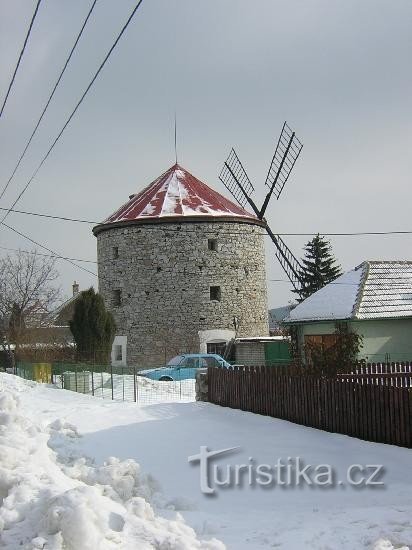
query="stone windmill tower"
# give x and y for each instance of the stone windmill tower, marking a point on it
(182, 269)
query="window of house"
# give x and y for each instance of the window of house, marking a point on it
(322, 342)
(325, 341)
(117, 297)
(212, 244)
(216, 347)
(215, 293)
(115, 251)
(118, 353)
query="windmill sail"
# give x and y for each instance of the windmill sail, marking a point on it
(286, 154)
(234, 178)
(290, 264)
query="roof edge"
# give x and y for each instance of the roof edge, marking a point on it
(356, 320)
(358, 300)
(177, 220)
(287, 321)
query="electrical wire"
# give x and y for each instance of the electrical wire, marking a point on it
(20, 57)
(94, 222)
(48, 249)
(75, 109)
(371, 286)
(50, 216)
(35, 252)
(407, 286)
(49, 100)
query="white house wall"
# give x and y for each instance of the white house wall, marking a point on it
(119, 341)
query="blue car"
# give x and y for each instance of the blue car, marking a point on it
(184, 367)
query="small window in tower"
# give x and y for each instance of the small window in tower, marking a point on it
(212, 244)
(118, 353)
(215, 293)
(115, 252)
(117, 297)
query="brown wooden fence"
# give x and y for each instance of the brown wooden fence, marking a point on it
(346, 405)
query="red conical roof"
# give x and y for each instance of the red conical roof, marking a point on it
(177, 193)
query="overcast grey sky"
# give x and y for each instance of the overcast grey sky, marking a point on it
(338, 71)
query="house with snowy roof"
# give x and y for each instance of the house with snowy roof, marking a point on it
(46, 327)
(375, 299)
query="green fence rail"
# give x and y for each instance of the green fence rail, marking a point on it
(107, 382)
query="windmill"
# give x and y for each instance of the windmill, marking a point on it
(234, 178)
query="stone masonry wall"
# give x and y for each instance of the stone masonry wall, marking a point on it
(164, 272)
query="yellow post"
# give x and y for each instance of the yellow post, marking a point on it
(42, 372)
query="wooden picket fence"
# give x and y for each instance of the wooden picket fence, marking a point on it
(397, 374)
(374, 411)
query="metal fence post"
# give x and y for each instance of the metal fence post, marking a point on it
(92, 381)
(123, 380)
(111, 379)
(134, 384)
(75, 376)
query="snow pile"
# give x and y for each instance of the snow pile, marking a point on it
(59, 489)
(52, 498)
(384, 544)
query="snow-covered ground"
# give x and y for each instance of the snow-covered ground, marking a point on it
(60, 488)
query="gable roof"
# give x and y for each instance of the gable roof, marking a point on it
(177, 193)
(56, 313)
(373, 290)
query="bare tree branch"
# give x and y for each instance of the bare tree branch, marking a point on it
(28, 286)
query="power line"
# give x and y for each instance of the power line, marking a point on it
(75, 109)
(50, 216)
(94, 222)
(407, 285)
(20, 56)
(48, 249)
(47, 255)
(350, 234)
(49, 100)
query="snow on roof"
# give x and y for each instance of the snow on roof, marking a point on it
(177, 193)
(387, 291)
(334, 301)
(373, 290)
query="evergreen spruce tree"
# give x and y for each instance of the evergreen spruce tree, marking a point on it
(319, 266)
(93, 327)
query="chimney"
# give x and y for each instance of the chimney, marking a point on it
(75, 288)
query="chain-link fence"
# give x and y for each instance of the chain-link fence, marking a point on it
(108, 382)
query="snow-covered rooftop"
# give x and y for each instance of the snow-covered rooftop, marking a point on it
(373, 290)
(177, 193)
